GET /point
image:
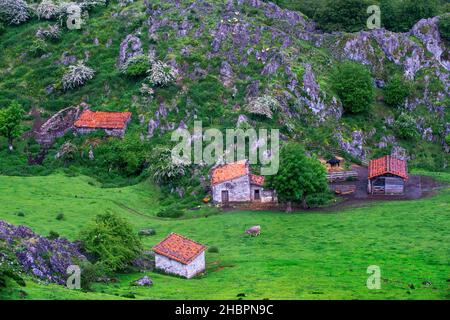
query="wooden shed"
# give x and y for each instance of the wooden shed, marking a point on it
(387, 175)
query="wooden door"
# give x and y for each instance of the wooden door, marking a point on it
(225, 197)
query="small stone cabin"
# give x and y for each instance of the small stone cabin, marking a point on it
(180, 256)
(113, 123)
(234, 183)
(387, 175)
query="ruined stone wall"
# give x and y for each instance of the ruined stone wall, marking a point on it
(266, 195)
(238, 190)
(58, 125)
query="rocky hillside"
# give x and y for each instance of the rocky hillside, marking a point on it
(224, 55)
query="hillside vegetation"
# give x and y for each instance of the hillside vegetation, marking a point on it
(224, 56)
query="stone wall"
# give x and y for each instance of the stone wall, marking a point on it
(238, 190)
(266, 195)
(174, 267)
(196, 266)
(58, 125)
(119, 133)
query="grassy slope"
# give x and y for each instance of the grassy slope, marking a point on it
(298, 256)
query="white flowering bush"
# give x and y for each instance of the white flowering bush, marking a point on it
(263, 106)
(47, 10)
(161, 74)
(51, 32)
(76, 76)
(14, 11)
(146, 90)
(88, 4)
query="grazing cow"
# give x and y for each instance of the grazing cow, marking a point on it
(254, 231)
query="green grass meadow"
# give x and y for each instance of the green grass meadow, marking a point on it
(312, 255)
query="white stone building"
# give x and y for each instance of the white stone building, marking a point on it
(234, 183)
(180, 256)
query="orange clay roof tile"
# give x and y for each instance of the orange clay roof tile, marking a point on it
(179, 248)
(388, 164)
(229, 171)
(258, 180)
(103, 120)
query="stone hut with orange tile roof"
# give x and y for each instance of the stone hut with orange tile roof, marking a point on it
(387, 175)
(179, 255)
(234, 183)
(113, 123)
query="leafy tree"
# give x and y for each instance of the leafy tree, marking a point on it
(342, 15)
(10, 119)
(396, 91)
(112, 241)
(401, 15)
(126, 155)
(353, 84)
(444, 27)
(298, 177)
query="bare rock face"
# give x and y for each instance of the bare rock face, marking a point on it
(58, 125)
(152, 126)
(130, 47)
(354, 146)
(226, 74)
(252, 90)
(242, 120)
(315, 97)
(427, 30)
(400, 153)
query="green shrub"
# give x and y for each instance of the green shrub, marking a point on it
(112, 242)
(319, 199)
(353, 84)
(213, 249)
(136, 66)
(21, 214)
(447, 139)
(405, 126)
(9, 268)
(171, 212)
(90, 273)
(38, 47)
(60, 216)
(396, 91)
(52, 235)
